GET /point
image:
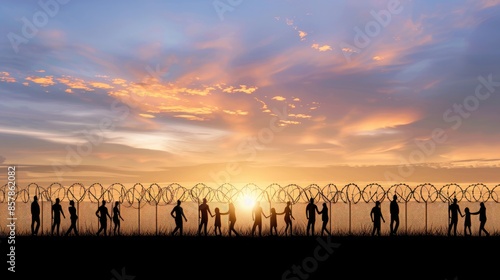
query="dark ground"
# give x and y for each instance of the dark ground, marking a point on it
(190, 257)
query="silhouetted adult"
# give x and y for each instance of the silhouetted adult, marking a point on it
(376, 216)
(103, 214)
(311, 210)
(73, 218)
(35, 216)
(56, 216)
(232, 219)
(394, 209)
(178, 214)
(257, 214)
(454, 211)
(467, 222)
(116, 218)
(287, 212)
(204, 210)
(482, 219)
(324, 219)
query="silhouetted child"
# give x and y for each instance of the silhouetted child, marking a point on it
(217, 222)
(467, 222)
(232, 219)
(273, 222)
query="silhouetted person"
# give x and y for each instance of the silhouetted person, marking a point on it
(56, 216)
(116, 218)
(178, 214)
(103, 214)
(217, 222)
(376, 216)
(257, 214)
(454, 211)
(324, 219)
(73, 218)
(232, 219)
(394, 209)
(311, 210)
(204, 210)
(467, 222)
(273, 226)
(35, 216)
(287, 212)
(482, 219)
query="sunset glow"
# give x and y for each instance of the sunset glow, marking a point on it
(261, 91)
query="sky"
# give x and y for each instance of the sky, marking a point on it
(232, 91)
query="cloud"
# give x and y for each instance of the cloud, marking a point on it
(323, 48)
(43, 81)
(279, 98)
(5, 77)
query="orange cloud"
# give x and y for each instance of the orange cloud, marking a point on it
(74, 83)
(43, 81)
(5, 77)
(100, 85)
(323, 48)
(279, 98)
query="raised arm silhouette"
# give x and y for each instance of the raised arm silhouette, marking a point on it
(35, 216)
(204, 211)
(73, 217)
(257, 214)
(311, 210)
(482, 219)
(116, 218)
(178, 214)
(232, 219)
(56, 216)
(103, 214)
(324, 219)
(376, 216)
(287, 212)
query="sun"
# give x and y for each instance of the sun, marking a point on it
(247, 201)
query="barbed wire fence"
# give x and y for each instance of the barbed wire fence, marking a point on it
(138, 196)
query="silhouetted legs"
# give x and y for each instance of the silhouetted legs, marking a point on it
(116, 228)
(178, 227)
(72, 228)
(231, 229)
(35, 225)
(310, 227)
(56, 226)
(482, 229)
(394, 225)
(203, 225)
(453, 225)
(103, 228)
(258, 227)
(376, 229)
(324, 229)
(288, 225)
